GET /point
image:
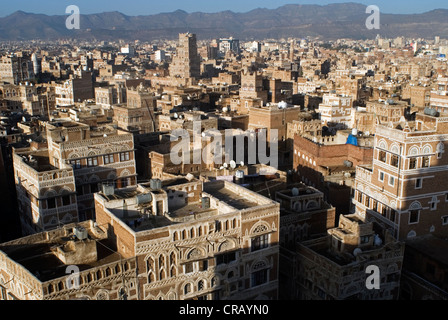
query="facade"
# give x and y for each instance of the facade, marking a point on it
(335, 267)
(15, 69)
(304, 215)
(40, 266)
(328, 163)
(77, 89)
(425, 268)
(439, 97)
(46, 194)
(229, 44)
(336, 109)
(138, 115)
(403, 191)
(186, 63)
(194, 240)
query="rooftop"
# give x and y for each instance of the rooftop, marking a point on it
(43, 254)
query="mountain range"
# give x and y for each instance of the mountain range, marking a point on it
(329, 22)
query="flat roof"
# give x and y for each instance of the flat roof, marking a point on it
(234, 199)
(39, 259)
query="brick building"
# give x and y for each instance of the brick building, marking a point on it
(191, 240)
(403, 191)
(39, 267)
(334, 267)
(328, 163)
(186, 63)
(303, 215)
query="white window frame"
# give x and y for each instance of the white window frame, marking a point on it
(421, 183)
(379, 176)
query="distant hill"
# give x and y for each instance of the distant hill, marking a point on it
(344, 20)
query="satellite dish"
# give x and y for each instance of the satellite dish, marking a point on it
(221, 168)
(176, 116)
(232, 164)
(242, 163)
(226, 165)
(295, 192)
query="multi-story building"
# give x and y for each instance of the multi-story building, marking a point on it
(336, 109)
(403, 190)
(378, 112)
(75, 90)
(229, 44)
(138, 115)
(194, 240)
(55, 182)
(303, 215)
(186, 63)
(329, 162)
(336, 266)
(101, 155)
(15, 69)
(439, 97)
(74, 262)
(46, 194)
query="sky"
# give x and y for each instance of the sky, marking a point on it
(148, 7)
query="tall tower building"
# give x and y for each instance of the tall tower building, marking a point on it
(186, 63)
(405, 189)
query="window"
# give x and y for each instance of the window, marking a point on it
(187, 288)
(259, 277)
(382, 156)
(76, 164)
(381, 176)
(425, 162)
(393, 214)
(66, 200)
(391, 181)
(375, 205)
(445, 220)
(124, 156)
(394, 161)
(418, 183)
(225, 258)
(200, 285)
(414, 216)
(51, 203)
(91, 162)
(359, 197)
(365, 239)
(412, 163)
(94, 187)
(108, 158)
(203, 265)
(188, 267)
(260, 242)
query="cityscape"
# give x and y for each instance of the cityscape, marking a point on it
(296, 152)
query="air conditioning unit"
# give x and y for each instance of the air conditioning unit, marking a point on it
(80, 233)
(108, 190)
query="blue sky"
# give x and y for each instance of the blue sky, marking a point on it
(147, 7)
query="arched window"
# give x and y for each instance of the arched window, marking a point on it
(187, 288)
(201, 285)
(173, 272)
